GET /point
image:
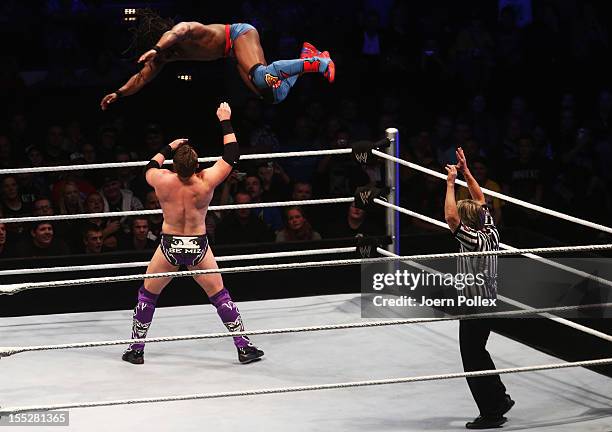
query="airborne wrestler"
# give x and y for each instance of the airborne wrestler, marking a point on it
(184, 196)
(162, 42)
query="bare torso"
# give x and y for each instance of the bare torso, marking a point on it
(207, 42)
(184, 203)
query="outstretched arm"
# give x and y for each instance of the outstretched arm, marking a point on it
(134, 84)
(223, 167)
(473, 186)
(180, 32)
(450, 205)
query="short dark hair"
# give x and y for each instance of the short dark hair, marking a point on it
(34, 225)
(185, 161)
(90, 227)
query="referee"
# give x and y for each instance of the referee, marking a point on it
(474, 229)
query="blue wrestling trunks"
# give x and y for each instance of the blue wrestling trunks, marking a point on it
(232, 31)
(184, 250)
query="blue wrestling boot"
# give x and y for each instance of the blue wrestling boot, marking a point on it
(249, 354)
(133, 356)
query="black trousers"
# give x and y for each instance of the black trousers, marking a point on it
(488, 392)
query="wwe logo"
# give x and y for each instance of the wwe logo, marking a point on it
(365, 251)
(362, 157)
(365, 196)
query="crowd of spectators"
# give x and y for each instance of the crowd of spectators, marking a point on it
(523, 89)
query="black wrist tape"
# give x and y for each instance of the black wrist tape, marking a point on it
(231, 153)
(226, 127)
(166, 151)
(119, 93)
(152, 164)
(157, 49)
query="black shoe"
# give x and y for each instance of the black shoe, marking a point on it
(249, 354)
(481, 422)
(506, 406)
(133, 356)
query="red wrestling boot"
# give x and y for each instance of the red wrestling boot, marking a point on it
(330, 73)
(309, 50)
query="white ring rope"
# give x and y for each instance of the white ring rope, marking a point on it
(18, 287)
(159, 211)
(501, 245)
(277, 390)
(507, 300)
(498, 195)
(517, 304)
(253, 156)
(9, 351)
(225, 258)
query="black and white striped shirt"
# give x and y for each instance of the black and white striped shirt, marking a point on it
(471, 240)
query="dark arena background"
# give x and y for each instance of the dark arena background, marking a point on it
(523, 86)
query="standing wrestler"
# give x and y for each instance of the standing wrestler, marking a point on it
(184, 196)
(163, 42)
(474, 229)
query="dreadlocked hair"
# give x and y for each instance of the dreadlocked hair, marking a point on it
(147, 31)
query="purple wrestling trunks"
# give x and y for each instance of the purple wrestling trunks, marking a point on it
(184, 250)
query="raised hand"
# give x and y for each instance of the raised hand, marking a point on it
(107, 100)
(452, 174)
(178, 142)
(224, 112)
(461, 160)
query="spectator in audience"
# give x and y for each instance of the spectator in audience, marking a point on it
(301, 191)
(118, 199)
(42, 207)
(110, 227)
(107, 141)
(242, 226)
(271, 216)
(297, 227)
(274, 181)
(156, 220)
(303, 138)
(93, 240)
(70, 199)
(339, 175)
(89, 153)
(139, 237)
(355, 222)
(526, 178)
(42, 242)
(153, 140)
(13, 205)
(5, 250)
(54, 147)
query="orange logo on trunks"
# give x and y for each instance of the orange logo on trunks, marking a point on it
(272, 81)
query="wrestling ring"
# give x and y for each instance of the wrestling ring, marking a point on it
(67, 362)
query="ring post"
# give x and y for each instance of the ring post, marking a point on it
(392, 177)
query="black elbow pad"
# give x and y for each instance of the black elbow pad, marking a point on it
(231, 153)
(152, 164)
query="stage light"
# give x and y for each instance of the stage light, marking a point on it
(129, 14)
